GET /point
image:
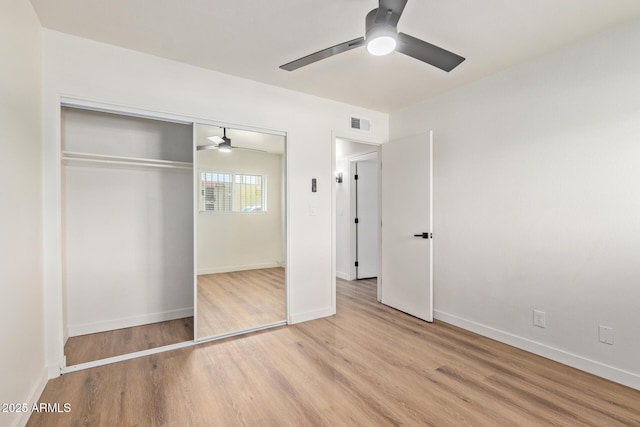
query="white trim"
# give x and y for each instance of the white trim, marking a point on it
(123, 357)
(195, 190)
(372, 155)
(379, 279)
(109, 107)
(177, 346)
(33, 398)
(333, 224)
(127, 322)
(312, 315)
(230, 268)
(431, 284)
(59, 270)
(287, 230)
(611, 373)
(342, 275)
(242, 332)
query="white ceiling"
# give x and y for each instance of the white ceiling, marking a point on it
(251, 38)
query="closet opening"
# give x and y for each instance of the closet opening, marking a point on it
(166, 240)
(127, 234)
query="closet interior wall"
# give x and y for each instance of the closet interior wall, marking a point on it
(127, 194)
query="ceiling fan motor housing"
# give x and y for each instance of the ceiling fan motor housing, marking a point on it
(381, 26)
(381, 35)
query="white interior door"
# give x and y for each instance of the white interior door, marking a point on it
(407, 261)
(367, 214)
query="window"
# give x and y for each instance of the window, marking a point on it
(215, 191)
(248, 191)
(225, 192)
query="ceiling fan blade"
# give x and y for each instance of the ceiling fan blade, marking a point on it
(396, 6)
(427, 52)
(248, 149)
(207, 147)
(217, 139)
(215, 147)
(325, 53)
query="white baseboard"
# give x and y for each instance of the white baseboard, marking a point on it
(230, 268)
(311, 315)
(611, 373)
(110, 325)
(342, 275)
(22, 418)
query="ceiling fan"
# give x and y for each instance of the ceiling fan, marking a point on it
(223, 144)
(382, 37)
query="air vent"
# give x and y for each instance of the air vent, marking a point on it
(360, 124)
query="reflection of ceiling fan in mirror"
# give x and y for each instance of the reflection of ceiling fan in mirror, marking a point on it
(223, 144)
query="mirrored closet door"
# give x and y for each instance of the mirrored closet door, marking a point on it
(240, 230)
(127, 232)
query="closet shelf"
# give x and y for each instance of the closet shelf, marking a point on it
(120, 160)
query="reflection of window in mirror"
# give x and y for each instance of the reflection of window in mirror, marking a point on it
(226, 192)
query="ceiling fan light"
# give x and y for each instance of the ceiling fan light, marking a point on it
(381, 37)
(224, 149)
(382, 45)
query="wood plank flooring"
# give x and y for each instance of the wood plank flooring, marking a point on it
(369, 365)
(86, 348)
(229, 302)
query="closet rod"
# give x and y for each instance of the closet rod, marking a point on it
(119, 160)
(130, 163)
(83, 155)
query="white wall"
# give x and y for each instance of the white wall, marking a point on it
(22, 366)
(234, 241)
(128, 230)
(537, 202)
(78, 67)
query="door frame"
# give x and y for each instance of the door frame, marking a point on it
(360, 139)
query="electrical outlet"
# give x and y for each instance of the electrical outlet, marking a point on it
(539, 318)
(605, 334)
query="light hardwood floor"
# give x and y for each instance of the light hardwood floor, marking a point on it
(229, 302)
(86, 348)
(369, 365)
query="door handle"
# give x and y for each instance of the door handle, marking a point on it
(424, 235)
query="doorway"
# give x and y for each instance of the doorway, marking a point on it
(357, 210)
(405, 201)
